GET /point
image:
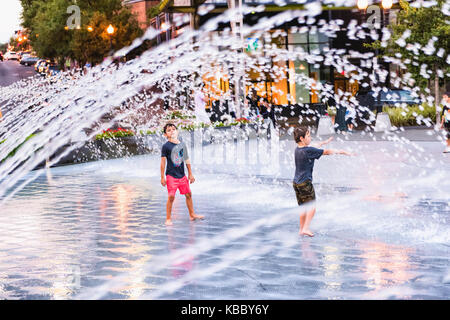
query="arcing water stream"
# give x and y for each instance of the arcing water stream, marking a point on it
(96, 230)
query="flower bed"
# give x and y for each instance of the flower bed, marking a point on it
(147, 132)
(192, 126)
(179, 114)
(112, 134)
(184, 121)
(241, 121)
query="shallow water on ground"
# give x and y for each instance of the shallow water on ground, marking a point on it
(97, 230)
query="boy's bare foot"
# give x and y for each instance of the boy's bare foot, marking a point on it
(306, 233)
(169, 222)
(195, 217)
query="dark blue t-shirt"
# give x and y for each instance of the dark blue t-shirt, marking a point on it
(176, 154)
(304, 163)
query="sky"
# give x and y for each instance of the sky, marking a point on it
(9, 19)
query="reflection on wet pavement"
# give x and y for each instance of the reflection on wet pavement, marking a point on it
(97, 231)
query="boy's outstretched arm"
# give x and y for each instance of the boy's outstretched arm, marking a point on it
(333, 151)
(190, 175)
(320, 144)
(163, 167)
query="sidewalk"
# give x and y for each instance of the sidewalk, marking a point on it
(96, 230)
(410, 133)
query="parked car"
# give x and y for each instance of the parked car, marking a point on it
(29, 61)
(52, 69)
(23, 54)
(392, 97)
(43, 66)
(11, 55)
(38, 63)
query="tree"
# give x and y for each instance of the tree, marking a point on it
(19, 44)
(48, 34)
(46, 21)
(153, 12)
(30, 9)
(92, 46)
(428, 28)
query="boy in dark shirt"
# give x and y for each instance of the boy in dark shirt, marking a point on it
(304, 164)
(174, 153)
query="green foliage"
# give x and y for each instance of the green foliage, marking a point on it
(46, 20)
(219, 125)
(411, 115)
(153, 12)
(178, 114)
(13, 152)
(113, 134)
(53, 41)
(203, 125)
(92, 46)
(147, 132)
(119, 133)
(188, 127)
(424, 24)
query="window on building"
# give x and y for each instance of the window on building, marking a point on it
(303, 76)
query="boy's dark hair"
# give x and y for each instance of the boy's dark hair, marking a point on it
(447, 93)
(300, 132)
(168, 125)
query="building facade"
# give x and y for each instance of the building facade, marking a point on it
(285, 91)
(140, 9)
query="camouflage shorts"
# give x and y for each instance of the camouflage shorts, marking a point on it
(304, 192)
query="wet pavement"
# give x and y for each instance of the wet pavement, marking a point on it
(96, 230)
(12, 71)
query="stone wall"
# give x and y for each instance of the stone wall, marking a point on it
(138, 145)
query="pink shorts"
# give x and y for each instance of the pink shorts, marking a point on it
(173, 184)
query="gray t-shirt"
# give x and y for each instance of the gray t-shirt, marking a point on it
(176, 154)
(304, 163)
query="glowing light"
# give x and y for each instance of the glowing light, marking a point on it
(110, 29)
(218, 76)
(386, 4)
(362, 4)
(90, 29)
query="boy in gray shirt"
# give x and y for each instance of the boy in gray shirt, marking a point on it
(305, 156)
